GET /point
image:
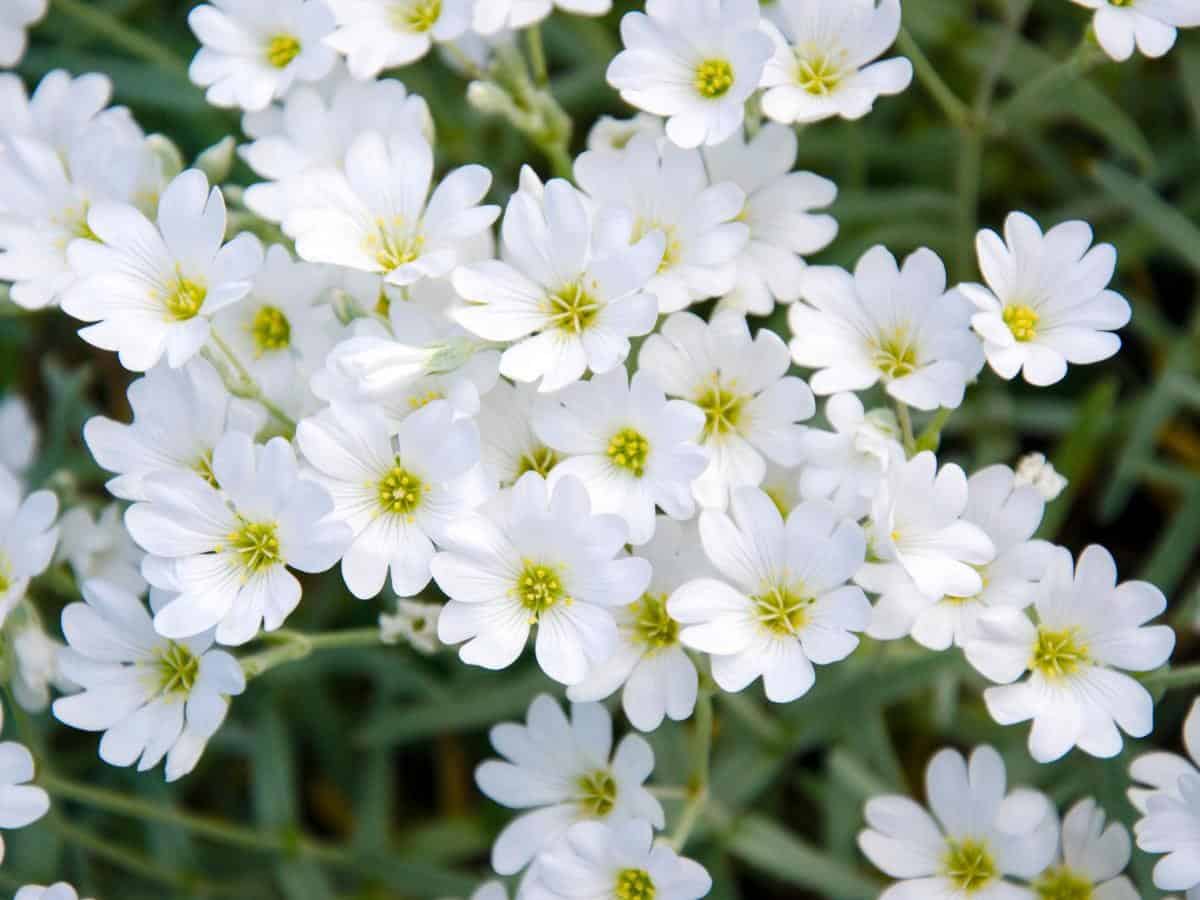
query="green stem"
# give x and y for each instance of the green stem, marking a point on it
(295, 646)
(105, 24)
(1082, 58)
(537, 56)
(931, 435)
(468, 65)
(967, 190)
(906, 427)
(247, 386)
(559, 158)
(1177, 677)
(956, 111)
(701, 753)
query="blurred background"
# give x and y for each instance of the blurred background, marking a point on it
(354, 769)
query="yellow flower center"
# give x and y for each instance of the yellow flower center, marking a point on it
(629, 450)
(673, 251)
(422, 399)
(714, 78)
(541, 460)
(1061, 883)
(652, 624)
(257, 543)
(1058, 653)
(420, 16)
(819, 74)
(572, 308)
(782, 609)
(6, 579)
(393, 245)
(634, 884)
(203, 468)
(722, 409)
(178, 668)
(597, 793)
(184, 298)
(1021, 321)
(400, 491)
(270, 330)
(969, 865)
(894, 355)
(539, 588)
(282, 49)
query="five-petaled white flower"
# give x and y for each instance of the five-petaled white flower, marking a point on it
(1150, 25)
(28, 537)
(379, 34)
(496, 15)
(1090, 859)
(21, 803)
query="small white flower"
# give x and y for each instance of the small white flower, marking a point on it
(1090, 860)
(34, 657)
(1088, 629)
(152, 288)
(253, 53)
(567, 304)
(977, 838)
(381, 34)
(60, 108)
(779, 212)
(413, 623)
(496, 15)
(59, 891)
(565, 772)
(898, 326)
(28, 537)
(231, 548)
(15, 17)
(1047, 301)
(537, 557)
(313, 128)
(917, 526)
(824, 62)
(696, 63)
(660, 679)
(377, 215)
(631, 447)
(179, 415)
(398, 496)
(21, 803)
(751, 406)
(784, 603)
(152, 697)
(1170, 808)
(846, 465)
(1008, 514)
(1150, 24)
(599, 861)
(20, 434)
(508, 445)
(613, 134)
(1035, 470)
(644, 189)
(100, 547)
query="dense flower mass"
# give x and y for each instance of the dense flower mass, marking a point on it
(626, 415)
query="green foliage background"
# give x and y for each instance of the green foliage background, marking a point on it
(349, 775)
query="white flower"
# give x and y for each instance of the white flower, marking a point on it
(846, 465)
(381, 34)
(21, 803)
(152, 697)
(562, 771)
(1170, 808)
(1008, 514)
(1034, 469)
(495, 15)
(397, 496)
(751, 405)
(629, 445)
(413, 623)
(152, 289)
(377, 215)
(100, 547)
(508, 445)
(231, 547)
(977, 837)
(644, 189)
(28, 537)
(599, 861)
(179, 415)
(695, 63)
(1088, 628)
(252, 53)
(1150, 24)
(778, 211)
(1091, 858)
(1046, 303)
(917, 526)
(660, 679)
(59, 891)
(313, 128)
(783, 604)
(537, 557)
(898, 326)
(613, 134)
(824, 63)
(566, 304)
(20, 434)
(15, 17)
(60, 108)
(34, 657)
